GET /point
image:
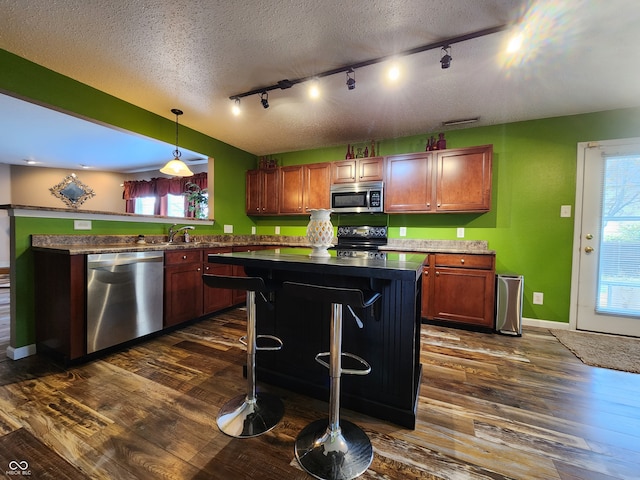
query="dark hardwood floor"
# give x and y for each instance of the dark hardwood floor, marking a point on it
(491, 407)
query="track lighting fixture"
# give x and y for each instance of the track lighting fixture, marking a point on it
(264, 99)
(351, 79)
(445, 61)
(314, 90)
(236, 107)
(176, 167)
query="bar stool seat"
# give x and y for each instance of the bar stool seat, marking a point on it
(330, 449)
(250, 414)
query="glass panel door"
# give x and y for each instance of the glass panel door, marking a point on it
(609, 243)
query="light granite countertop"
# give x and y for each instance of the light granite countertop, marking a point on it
(89, 244)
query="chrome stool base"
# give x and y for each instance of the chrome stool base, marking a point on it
(242, 418)
(345, 456)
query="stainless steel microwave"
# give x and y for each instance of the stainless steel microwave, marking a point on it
(359, 197)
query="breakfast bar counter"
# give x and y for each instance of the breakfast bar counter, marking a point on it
(389, 339)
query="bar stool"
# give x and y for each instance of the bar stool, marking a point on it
(330, 449)
(250, 414)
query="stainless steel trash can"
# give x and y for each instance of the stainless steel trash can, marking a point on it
(509, 295)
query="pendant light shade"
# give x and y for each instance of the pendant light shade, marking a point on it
(176, 167)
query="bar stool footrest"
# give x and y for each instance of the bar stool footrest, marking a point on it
(276, 347)
(347, 371)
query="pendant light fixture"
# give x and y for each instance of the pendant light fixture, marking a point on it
(176, 167)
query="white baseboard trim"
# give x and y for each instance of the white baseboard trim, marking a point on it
(21, 352)
(534, 322)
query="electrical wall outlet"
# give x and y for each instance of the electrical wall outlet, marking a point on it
(82, 224)
(277, 230)
(403, 231)
(565, 211)
(538, 298)
(253, 230)
(228, 229)
(460, 232)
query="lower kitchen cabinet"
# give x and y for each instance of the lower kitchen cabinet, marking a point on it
(214, 299)
(60, 289)
(182, 286)
(186, 296)
(459, 288)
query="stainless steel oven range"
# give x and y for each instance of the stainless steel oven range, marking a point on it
(361, 241)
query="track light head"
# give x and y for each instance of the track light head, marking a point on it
(264, 99)
(351, 79)
(235, 109)
(446, 58)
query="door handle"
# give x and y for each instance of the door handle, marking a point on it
(588, 249)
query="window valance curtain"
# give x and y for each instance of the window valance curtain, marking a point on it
(159, 188)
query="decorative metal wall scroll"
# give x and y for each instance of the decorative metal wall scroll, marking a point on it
(72, 191)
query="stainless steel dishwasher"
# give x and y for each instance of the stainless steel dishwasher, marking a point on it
(124, 297)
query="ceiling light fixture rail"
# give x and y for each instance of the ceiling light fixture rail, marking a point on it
(286, 83)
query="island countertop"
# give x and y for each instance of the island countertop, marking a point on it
(395, 265)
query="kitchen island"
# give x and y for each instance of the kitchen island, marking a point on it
(389, 341)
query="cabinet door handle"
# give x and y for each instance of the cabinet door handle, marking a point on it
(198, 269)
(426, 274)
(184, 257)
(437, 274)
(462, 260)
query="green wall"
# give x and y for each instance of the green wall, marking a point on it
(534, 173)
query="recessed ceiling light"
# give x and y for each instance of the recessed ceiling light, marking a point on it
(30, 162)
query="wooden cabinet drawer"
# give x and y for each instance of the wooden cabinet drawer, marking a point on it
(463, 260)
(182, 257)
(210, 267)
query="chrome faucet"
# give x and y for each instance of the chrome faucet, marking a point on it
(173, 233)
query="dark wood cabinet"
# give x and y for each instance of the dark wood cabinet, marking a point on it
(457, 180)
(291, 186)
(182, 286)
(304, 187)
(408, 183)
(463, 179)
(60, 287)
(459, 288)
(262, 192)
(358, 170)
(186, 297)
(215, 299)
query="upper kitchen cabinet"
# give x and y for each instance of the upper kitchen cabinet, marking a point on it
(358, 170)
(304, 187)
(456, 180)
(463, 179)
(262, 192)
(408, 183)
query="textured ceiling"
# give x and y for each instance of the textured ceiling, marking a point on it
(581, 56)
